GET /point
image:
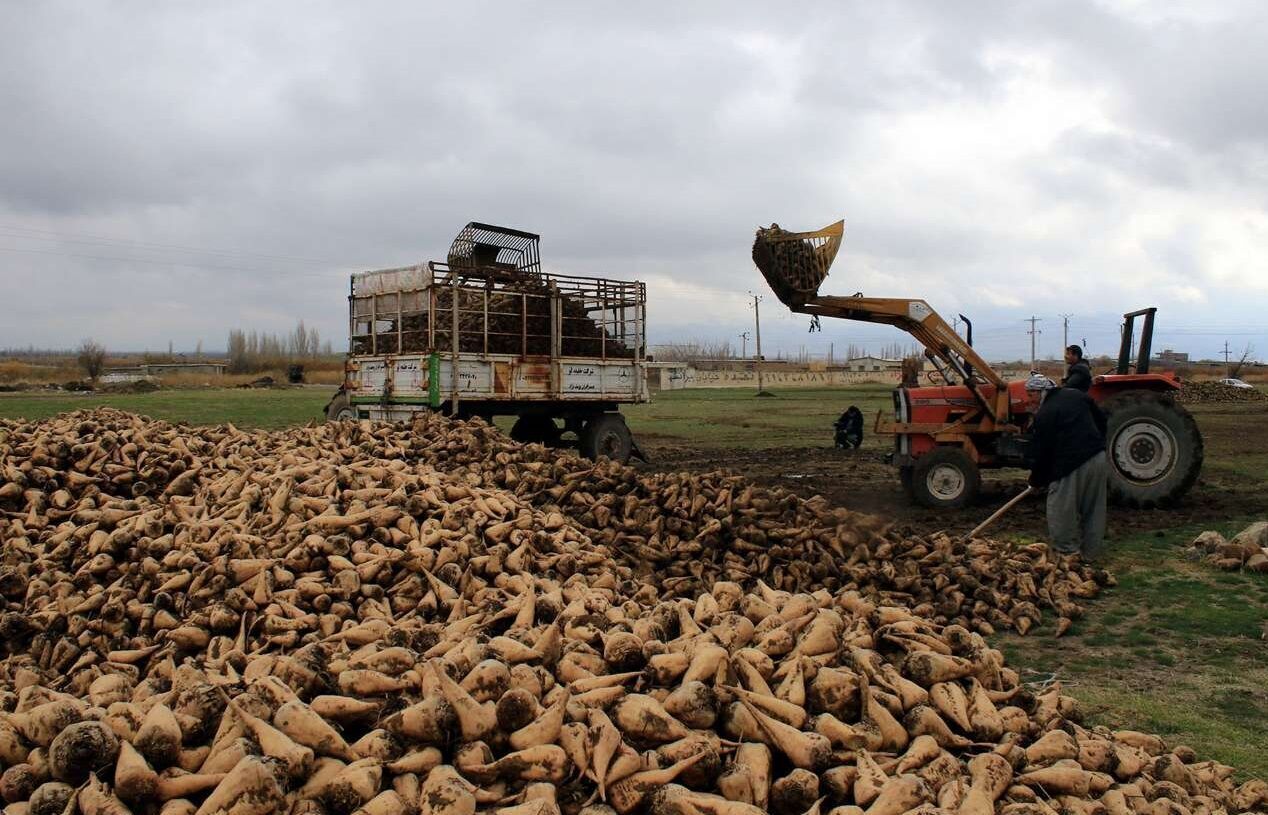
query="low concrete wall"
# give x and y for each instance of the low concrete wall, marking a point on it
(679, 378)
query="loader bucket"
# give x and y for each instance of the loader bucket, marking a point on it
(795, 263)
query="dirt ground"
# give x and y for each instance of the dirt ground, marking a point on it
(1232, 484)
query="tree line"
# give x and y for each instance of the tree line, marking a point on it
(254, 351)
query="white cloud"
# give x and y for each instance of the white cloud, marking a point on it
(1000, 161)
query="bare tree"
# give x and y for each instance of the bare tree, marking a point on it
(893, 350)
(695, 351)
(299, 341)
(92, 358)
(1236, 370)
(238, 359)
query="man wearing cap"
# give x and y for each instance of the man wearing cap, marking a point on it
(1068, 450)
(1079, 374)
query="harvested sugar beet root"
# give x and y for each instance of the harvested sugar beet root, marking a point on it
(359, 618)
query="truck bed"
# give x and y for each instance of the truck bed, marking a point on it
(521, 337)
(428, 378)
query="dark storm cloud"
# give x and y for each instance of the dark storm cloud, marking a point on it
(975, 150)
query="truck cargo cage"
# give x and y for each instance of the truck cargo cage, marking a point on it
(388, 313)
(796, 263)
(488, 247)
(550, 314)
(409, 310)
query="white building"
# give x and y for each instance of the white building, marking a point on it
(873, 364)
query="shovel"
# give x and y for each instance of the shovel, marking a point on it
(995, 516)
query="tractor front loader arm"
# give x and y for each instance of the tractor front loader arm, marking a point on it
(918, 319)
(796, 263)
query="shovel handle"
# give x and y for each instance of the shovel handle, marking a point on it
(977, 530)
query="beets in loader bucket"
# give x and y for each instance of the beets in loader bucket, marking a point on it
(796, 263)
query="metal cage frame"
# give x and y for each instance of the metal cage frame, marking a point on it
(487, 246)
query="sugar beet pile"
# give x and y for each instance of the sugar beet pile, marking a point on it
(1217, 392)
(356, 618)
(1247, 550)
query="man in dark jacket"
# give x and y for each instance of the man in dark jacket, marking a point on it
(1068, 447)
(1080, 373)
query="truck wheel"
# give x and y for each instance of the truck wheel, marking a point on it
(606, 435)
(1154, 448)
(340, 408)
(535, 430)
(945, 478)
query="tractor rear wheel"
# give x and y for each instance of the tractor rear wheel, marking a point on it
(945, 478)
(1154, 449)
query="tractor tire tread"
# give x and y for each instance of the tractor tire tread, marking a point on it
(945, 455)
(1187, 434)
(603, 428)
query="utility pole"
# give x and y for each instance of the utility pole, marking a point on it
(831, 347)
(1033, 332)
(757, 328)
(1226, 352)
(955, 324)
(743, 345)
(1065, 331)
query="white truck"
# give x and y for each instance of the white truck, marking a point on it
(558, 352)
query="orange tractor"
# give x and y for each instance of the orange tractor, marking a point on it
(971, 418)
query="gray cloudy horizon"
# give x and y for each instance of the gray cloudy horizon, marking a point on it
(172, 171)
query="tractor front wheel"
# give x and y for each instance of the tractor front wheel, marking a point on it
(1154, 449)
(945, 478)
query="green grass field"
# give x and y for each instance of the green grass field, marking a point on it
(1175, 649)
(244, 407)
(738, 418)
(705, 418)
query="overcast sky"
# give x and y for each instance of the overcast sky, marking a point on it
(171, 170)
